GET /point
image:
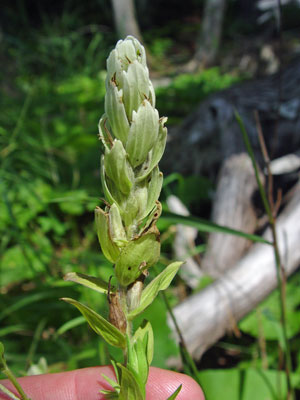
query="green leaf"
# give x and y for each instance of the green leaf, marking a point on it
(174, 395)
(145, 329)
(161, 282)
(100, 325)
(137, 360)
(109, 394)
(207, 226)
(140, 347)
(91, 282)
(130, 389)
(265, 320)
(246, 384)
(113, 384)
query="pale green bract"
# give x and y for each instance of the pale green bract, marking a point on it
(134, 139)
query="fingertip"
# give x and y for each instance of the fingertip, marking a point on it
(163, 383)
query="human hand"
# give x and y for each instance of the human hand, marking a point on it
(85, 384)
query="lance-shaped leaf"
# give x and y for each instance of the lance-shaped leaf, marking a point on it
(130, 390)
(115, 111)
(137, 360)
(161, 282)
(135, 87)
(117, 167)
(146, 331)
(114, 384)
(155, 154)
(142, 134)
(137, 256)
(109, 248)
(100, 325)
(175, 394)
(97, 284)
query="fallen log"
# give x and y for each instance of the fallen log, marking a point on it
(206, 316)
(232, 207)
(184, 242)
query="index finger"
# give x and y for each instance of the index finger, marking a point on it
(85, 384)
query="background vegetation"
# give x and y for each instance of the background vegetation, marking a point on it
(52, 90)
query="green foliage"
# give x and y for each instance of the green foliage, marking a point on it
(165, 346)
(265, 320)
(145, 331)
(239, 384)
(99, 324)
(161, 282)
(159, 47)
(129, 388)
(186, 91)
(91, 282)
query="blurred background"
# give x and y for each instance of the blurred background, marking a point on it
(52, 85)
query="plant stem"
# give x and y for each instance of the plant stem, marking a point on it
(14, 381)
(8, 393)
(271, 210)
(187, 359)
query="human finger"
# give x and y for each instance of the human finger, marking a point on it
(85, 384)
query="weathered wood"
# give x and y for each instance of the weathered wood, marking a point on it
(232, 207)
(206, 316)
(125, 19)
(184, 243)
(211, 31)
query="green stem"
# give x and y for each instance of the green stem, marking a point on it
(271, 213)
(14, 381)
(123, 301)
(187, 359)
(281, 284)
(10, 394)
